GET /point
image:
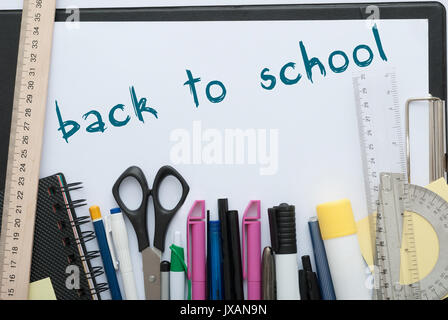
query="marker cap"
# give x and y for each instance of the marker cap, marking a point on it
(336, 219)
(115, 210)
(282, 224)
(165, 266)
(95, 212)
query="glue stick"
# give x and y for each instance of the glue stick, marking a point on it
(347, 266)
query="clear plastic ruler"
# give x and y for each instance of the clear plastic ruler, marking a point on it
(381, 135)
(394, 234)
(381, 129)
(396, 242)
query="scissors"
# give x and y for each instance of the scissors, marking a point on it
(151, 256)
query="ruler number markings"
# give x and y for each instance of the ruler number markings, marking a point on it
(23, 126)
(25, 146)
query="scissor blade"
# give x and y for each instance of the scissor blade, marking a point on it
(151, 272)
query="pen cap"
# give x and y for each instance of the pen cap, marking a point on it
(115, 211)
(177, 258)
(215, 226)
(282, 220)
(197, 265)
(177, 253)
(252, 242)
(306, 263)
(336, 219)
(165, 266)
(95, 212)
(252, 252)
(196, 242)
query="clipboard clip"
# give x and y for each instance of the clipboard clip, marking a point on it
(437, 160)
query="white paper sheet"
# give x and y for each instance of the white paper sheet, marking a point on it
(318, 158)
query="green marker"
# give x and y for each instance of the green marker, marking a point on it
(178, 270)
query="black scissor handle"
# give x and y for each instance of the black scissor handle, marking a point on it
(138, 217)
(163, 216)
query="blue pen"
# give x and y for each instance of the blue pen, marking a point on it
(100, 232)
(215, 262)
(320, 257)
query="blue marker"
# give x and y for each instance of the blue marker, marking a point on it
(215, 288)
(114, 288)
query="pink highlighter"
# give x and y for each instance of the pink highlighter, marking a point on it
(252, 235)
(196, 249)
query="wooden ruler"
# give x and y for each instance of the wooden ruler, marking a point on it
(25, 147)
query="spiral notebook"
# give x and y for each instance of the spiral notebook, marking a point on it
(59, 250)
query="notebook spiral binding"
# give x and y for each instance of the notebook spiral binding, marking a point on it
(100, 287)
(84, 237)
(91, 255)
(96, 272)
(54, 195)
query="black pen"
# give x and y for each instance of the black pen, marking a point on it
(235, 250)
(313, 290)
(226, 257)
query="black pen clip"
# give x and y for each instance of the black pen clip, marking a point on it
(273, 229)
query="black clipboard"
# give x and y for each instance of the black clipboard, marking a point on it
(434, 12)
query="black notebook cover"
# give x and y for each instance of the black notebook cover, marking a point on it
(59, 250)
